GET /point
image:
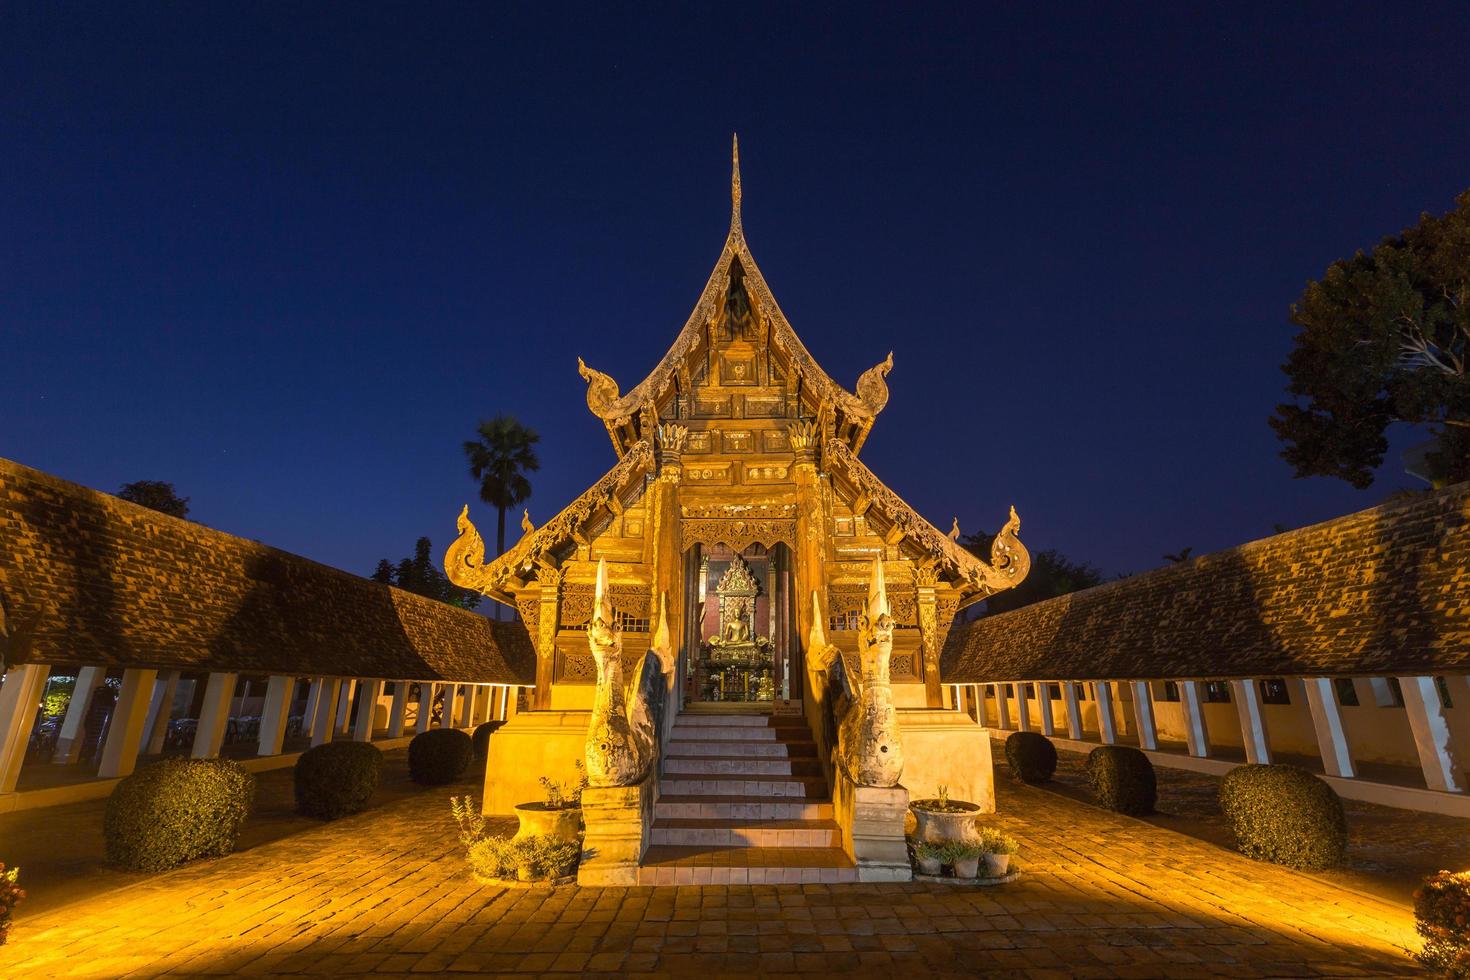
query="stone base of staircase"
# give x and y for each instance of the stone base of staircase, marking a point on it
(742, 801)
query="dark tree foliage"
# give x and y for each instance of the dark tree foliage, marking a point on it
(421, 576)
(500, 459)
(1384, 338)
(156, 495)
(1052, 574)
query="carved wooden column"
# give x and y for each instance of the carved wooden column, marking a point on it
(926, 578)
(548, 617)
(663, 543)
(811, 525)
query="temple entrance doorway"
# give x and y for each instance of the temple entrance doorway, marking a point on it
(740, 624)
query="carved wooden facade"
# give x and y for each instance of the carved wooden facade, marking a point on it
(737, 438)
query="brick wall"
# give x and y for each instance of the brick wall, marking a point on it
(1382, 591)
(88, 578)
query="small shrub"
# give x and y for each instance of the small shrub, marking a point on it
(337, 778)
(439, 756)
(538, 857)
(177, 810)
(1284, 815)
(10, 895)
(1442, 917)
(991, 841)
(1122, 779)
(565, 795)
(1032, 757)
(481, 738)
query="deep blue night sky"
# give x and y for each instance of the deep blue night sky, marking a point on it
(285, 256)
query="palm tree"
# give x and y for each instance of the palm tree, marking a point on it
(500, 460)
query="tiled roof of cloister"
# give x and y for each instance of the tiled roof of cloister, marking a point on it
(88, 578)
(1381, 591)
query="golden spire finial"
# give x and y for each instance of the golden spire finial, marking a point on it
(734, 181)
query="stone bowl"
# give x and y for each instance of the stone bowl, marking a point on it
(563, 823)
(936, 826)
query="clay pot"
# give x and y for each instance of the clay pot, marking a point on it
(967, 867)
(526, 872)
(538, 818)
(997, 865)
(930, 866)
(938, 826)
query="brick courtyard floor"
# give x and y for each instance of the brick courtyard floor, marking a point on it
(386, 893)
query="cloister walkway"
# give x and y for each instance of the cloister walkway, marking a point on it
(386, 893)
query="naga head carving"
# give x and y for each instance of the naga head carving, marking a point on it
(872, 390)
(603, 635)
(602, 391)
(876, 623)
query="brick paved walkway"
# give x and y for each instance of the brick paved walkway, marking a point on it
(386, 893)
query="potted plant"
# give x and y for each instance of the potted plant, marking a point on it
(997, 850)
(964, 857)
(942, 819)
(559, 815)
(929, 856)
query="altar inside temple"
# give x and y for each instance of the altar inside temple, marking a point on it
(741, 615)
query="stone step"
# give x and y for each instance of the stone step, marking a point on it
(794, 787)
(764, 750)
(671, 865)
(739, 808)
(726, 733)
(721, 764)
(742, 720)
(747, 833)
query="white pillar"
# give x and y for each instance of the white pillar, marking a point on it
(1253, 733)
(69, 741)
(1337, 759)
(1023, 709)
(125, 731)
(1074, 710)
(448, 719)
(1107, 725)
(20, 700)
(324, 722)
(1431, 734)
(397, 714)
(367, 702)
(426, 707)
(1196, 734)
(504, 704)
(275, 713)
(466, 705)
(343, 724)
(214, 715)
(1002, 721)
(312, 693)
(160, 712)
(1043, 702)
(1143, 715)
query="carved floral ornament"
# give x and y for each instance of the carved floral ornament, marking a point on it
(464, 561)
(737, 534)
(1009, 560)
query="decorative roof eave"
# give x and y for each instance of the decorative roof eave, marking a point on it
(975, 579)
(618, 410)
(464, 561)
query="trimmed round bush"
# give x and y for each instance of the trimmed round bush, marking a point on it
(1032, 757)
(177, 810)
(439, 756)
(1122, 779)
(1284, 815)
(481, 738)
(337, 778)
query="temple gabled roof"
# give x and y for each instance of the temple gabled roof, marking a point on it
(830, 417)
(630, 417)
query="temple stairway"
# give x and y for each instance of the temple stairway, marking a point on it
(742, 800)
